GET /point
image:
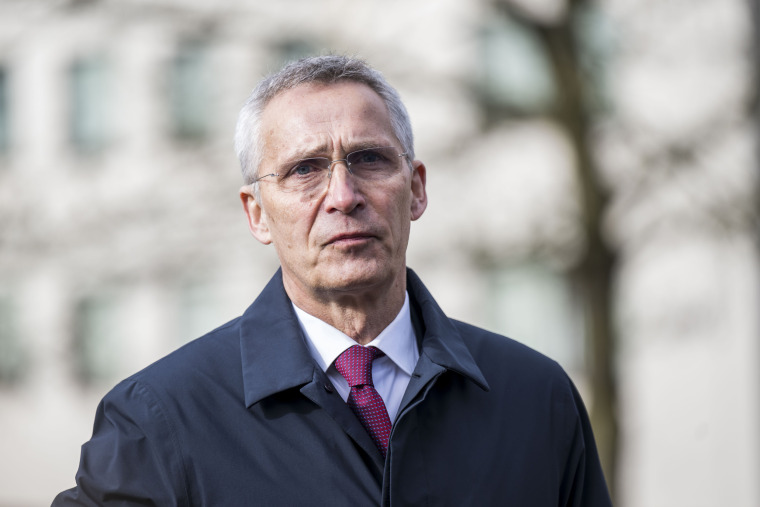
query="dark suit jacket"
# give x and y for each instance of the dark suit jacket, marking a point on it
(243, 416)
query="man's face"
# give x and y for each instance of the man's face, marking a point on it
(351, 236)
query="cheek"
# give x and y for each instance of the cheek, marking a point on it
(290, 225)
(398, 215)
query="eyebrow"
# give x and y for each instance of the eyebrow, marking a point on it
(316, 151)
(320, 150)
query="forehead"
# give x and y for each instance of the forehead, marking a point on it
(317, 116)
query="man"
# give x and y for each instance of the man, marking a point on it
(343, 383)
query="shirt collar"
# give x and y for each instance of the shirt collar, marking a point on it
(397, 340)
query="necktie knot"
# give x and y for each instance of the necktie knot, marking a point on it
(355, 364)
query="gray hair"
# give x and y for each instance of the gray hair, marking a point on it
(318, 69)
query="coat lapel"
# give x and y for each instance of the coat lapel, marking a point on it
(333, 404)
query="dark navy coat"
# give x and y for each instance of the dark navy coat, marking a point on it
(243, 416)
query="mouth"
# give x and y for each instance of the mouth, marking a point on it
(350, 239)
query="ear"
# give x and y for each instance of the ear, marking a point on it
(257, 217)
(419, 194)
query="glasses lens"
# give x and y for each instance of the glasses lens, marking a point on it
(305, 175)
(374, 163)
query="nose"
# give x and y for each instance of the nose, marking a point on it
(343, 193)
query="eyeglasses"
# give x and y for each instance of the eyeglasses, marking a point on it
(312, 174)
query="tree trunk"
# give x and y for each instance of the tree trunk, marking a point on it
(596, 267)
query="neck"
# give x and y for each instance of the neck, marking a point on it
(362, 315)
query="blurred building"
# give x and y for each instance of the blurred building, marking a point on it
(122, 236)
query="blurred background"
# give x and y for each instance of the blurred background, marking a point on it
(592, 176)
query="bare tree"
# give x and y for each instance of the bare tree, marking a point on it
(595, 269)
(754, 8)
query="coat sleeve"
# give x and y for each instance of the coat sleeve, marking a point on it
(584, 483)
(133, 457)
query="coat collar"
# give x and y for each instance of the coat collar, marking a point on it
(441, 341)
(273, 351)
(275, 357)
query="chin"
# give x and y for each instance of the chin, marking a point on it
(349, 278)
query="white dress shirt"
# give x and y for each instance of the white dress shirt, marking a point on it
(390, 373)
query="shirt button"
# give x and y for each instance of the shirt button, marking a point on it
(329, 387)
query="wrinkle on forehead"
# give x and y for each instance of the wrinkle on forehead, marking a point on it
(322, 125)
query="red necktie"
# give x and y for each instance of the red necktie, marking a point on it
(355, 364)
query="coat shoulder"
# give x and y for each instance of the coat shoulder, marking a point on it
(499, 353)
(201, 358)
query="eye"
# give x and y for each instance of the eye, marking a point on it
(302, 169)
(369, 157)
(305, 168)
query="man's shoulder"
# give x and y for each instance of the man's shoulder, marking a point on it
(500, 353)
(215, 355)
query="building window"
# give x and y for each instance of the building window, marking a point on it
(4, 113)
(89, 102)
(13, 357)
(189, 92)
(97, 340)
(515, 69)
(535, 305)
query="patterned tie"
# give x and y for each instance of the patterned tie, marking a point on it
(355, 364)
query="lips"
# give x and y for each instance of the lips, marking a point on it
(349, 238)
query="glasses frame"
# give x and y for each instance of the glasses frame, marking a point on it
(331, 162)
